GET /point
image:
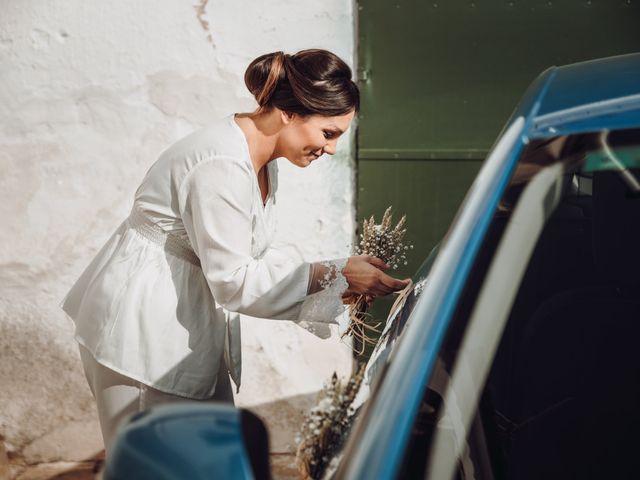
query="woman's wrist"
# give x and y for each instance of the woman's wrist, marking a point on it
(324, 274)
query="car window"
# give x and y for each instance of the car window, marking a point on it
(537, 376)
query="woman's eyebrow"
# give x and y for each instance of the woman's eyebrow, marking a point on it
(336, 128)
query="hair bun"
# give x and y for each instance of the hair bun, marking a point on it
(263, 74)
(312, 81)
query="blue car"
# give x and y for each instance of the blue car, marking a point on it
(516, 353)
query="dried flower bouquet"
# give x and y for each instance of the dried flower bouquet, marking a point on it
(385, 242)
(326, 426)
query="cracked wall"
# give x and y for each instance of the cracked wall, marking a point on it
(90, 93)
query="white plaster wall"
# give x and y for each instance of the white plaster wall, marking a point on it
(90, 93)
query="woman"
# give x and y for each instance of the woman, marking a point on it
(156, 311)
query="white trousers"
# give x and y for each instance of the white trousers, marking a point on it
(118, 396)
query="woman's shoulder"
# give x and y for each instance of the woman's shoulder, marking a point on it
(220, 146)
(219, 139)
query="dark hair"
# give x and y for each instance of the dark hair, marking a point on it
(309, 82)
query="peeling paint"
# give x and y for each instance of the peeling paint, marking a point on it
(201, 11)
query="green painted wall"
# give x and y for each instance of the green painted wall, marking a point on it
(440, 78)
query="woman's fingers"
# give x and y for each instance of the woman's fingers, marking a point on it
(376, 262)
(365, 275)
(392, 284)
(387, 285)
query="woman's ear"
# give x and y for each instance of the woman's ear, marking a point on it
(286, 117)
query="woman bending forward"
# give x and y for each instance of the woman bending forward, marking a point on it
(157, 310)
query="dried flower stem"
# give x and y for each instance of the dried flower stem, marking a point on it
(386, 243)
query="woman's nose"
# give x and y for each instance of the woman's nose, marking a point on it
(329, 148)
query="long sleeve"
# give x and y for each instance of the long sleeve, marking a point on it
(324, 302)
(216, 201)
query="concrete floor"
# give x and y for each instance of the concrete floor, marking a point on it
(283, 467)
(78, 446)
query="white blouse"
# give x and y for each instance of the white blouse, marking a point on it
(160, 302)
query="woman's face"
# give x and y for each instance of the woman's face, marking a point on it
(304, 139)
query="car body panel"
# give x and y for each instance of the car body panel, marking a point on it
(592, 82)
(590, 96)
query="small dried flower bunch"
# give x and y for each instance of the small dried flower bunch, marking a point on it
(326, 426)
(385, 242)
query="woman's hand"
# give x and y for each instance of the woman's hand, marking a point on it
(365, 276)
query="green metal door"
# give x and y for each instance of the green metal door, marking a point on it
(438, 81)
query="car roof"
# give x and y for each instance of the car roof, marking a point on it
(592, 82)
(584, 96)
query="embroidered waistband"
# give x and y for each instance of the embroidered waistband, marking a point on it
(172, 243)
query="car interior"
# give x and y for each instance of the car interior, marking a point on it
(562, 393)
(561, 397)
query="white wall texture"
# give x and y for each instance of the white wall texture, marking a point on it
(90, 93)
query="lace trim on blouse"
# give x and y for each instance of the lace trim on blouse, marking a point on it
(327, 284)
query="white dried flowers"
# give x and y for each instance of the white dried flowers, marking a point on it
(385, 242)
(327, 425)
